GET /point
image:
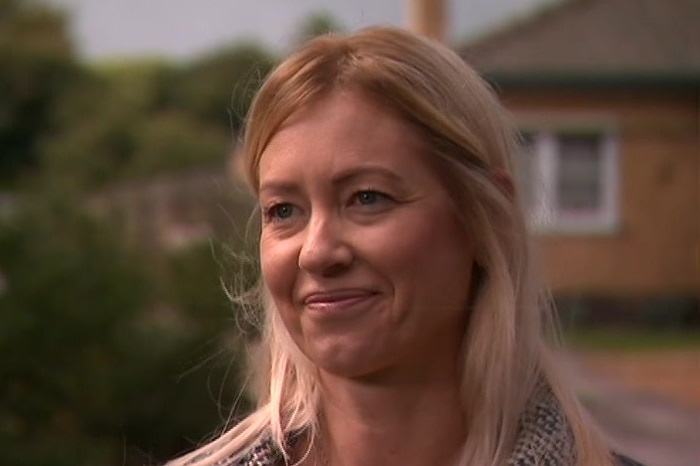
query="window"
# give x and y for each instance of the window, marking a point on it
(569, 180)
(579, 180)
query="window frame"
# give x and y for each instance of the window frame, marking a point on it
(544, 134)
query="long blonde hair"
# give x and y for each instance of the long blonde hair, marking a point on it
(470, 140)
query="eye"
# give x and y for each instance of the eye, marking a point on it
(279, 211)
(369, 197)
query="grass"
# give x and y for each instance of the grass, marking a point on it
(632, 339)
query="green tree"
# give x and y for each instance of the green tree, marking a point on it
(96, 140)
(143, 118)
(175, 141)
(107, 357)
(101, 121)
(66, 316)
(218, 89)
(37, 63)
(121, 123)
(317, 24)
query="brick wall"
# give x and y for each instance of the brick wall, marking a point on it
(655, 249)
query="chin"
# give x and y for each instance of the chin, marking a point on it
(344, 361)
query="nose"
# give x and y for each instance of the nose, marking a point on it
(324, 250)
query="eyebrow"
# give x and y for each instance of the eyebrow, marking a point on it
(278, 187)
(341, 178)
(351, 174)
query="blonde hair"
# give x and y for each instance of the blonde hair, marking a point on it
(469, 139)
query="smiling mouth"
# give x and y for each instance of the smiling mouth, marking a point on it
(339, 300)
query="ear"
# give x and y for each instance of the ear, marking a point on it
(505, 181)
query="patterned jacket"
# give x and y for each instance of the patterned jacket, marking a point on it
(544, 439)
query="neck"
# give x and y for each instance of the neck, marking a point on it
(409, 419)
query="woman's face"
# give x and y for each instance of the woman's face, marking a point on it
(361, 250)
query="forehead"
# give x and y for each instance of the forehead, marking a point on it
(339, 132)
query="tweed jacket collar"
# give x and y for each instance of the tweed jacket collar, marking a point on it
(544, 439)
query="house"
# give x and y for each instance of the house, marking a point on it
(177, 210)
(606, 94)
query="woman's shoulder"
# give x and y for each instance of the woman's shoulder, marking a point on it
(262, 453)
(265, 454)
(621, 460)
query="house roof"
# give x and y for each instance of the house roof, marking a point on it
(595, 41)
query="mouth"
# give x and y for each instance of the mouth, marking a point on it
(338, 300)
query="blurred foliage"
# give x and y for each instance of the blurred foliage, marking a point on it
(230, 76)
(66, 315)
(141, 119)
(659, 312)
(106, 123)
(37, 65)
(108, 358)
(633, 339)
(118, 347)
(317, 24)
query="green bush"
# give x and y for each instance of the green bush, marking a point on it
(668, 311)
(108, 357)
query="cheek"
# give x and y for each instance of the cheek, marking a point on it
(401, 250)
(427, 259)
(277, 265)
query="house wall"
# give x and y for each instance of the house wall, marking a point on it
(177, 210)
(655, 248)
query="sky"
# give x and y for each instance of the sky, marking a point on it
(182, 29)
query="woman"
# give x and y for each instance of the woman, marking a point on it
(403, 323)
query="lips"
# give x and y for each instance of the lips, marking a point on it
(338, 300)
